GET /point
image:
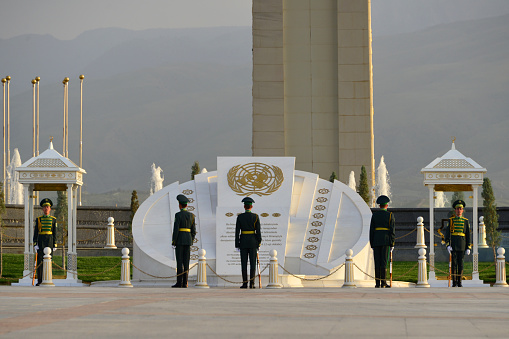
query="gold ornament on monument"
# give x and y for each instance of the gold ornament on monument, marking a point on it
(255, 178)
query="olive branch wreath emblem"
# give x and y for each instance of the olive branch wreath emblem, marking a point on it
(255, 178)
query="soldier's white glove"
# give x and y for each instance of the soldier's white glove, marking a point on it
(36, 248)
(173, 246)
(237, 249)
(467, 252)
(449, 248)
(392, 249)
(54, 249)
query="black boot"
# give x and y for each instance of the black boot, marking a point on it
(459, 279)
(179, 281)
(377, 277)
(244, 285)
(184, 280)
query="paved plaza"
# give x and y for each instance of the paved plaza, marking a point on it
(64, 312)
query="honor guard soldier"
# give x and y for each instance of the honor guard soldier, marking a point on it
(45, 232)
(248, 238)
(184, 231)
(457, 240)
(382, 233)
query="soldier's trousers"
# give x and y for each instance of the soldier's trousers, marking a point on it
(182, 254)
(244, 254)
(457, 264)
(381, 254)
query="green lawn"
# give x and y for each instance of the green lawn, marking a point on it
(107, 268)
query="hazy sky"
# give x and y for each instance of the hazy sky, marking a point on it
(65, 19)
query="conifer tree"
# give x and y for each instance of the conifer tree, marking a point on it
(195, 169)
(333, 177)
(363, 188)
(2, 211)
(134, 207)
(493, 235)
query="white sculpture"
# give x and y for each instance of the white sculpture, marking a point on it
(15, 188)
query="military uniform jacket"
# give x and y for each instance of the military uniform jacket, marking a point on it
(457, 235)
(382, 230)
(247, 231)
(184, 221)
(45, 231)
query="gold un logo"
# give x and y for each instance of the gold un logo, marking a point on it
(255, 178)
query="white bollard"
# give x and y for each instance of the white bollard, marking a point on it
(125, 271)
(47, 269)
(349, 272)
(500, 269)
(482, 234)
(422, 273)
(420, 233)
(273, 271)
(110, 236)
(201, 278)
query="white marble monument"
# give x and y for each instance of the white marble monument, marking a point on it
(309, 221)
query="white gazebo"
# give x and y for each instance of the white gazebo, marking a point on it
(50, 171)
(453, 172)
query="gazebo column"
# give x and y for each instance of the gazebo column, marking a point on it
(431, 233)
(29, 245)
(475, 231)
(72, 260)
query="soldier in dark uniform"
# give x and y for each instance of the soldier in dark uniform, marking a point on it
(457, 240)
(381, 237)
(45, 231)
(184, 231)
(248, 238)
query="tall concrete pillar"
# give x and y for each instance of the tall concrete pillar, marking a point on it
(312, 84)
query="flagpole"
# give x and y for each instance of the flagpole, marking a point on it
(81, 127)
(37, 120)
(8, 78)
(33, 117)
(3, 134)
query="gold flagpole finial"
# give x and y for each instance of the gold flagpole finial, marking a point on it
(51, 139)
(453, 139)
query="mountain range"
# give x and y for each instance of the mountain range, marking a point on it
(175, 96)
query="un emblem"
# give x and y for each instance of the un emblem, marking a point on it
(255, 178)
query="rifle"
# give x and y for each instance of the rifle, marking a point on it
(35, 269)
(259, 273)
(390, 270)
(449, 278)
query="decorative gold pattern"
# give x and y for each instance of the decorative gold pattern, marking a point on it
(313, 239)
(309, 255)
(255, 178)
(187, 192)
(229, 214)
(47, 162)
(318, 215)
(193, 257)
(311, 247)
(321, 199)
(265, 215)
(195, 240)
(190, 208)
(194, 248)
(316, 223)
(320, 207)
(191, 200)
(323, 191)
(315, 231)
(276, 215)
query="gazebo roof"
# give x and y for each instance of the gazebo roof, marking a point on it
(453, 172)
(453, 160)
(50, 171)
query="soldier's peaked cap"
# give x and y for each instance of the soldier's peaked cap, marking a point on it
(182, 199)
(383, 200)
(248, 200)
(46, 202)
(459, 203)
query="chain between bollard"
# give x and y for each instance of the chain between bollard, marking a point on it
(26, 275)
(87, 275)
(173, 276)
(8, 236)
(311, 279)
(122, 234)
(412, 231)
(436, 236)
(237, 282)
